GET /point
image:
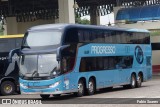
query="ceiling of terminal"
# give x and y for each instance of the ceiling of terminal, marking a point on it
(30, 10)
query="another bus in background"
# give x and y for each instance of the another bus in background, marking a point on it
(9, 72)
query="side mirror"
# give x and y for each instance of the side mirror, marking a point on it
(11, 53)
(59, 51)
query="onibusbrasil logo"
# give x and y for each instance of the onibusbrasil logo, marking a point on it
(139, 54)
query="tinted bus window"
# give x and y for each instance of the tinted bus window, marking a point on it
(140, 38)
(100, 37)
(94, 37)
(72, 36)
(80, 36)
(118, 37)
(7, 44)
(105, 63)
(106, 36)
(113, 35)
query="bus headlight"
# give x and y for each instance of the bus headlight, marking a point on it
(54, 85)
(23, 86)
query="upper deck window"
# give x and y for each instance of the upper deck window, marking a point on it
(42, 38)
(81, 35)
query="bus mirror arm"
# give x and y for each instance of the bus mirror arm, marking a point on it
(11, 53)
(59, 51)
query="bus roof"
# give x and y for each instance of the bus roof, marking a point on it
(63, 26)
(12, 36)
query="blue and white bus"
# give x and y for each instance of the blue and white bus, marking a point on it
(71, 58)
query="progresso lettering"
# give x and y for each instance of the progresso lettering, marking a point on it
(103, 49)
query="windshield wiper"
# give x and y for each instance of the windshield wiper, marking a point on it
(35, 74)
(56, 72)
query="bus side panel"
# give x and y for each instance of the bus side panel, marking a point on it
(142, 61)
(120, 76)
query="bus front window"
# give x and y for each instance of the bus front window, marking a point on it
(42, 38)
(44, 65)
(39, 58)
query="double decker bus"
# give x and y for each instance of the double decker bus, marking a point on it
(9, 83)
(72, 58)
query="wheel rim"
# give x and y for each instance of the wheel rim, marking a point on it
(80, 87)
(133, 81)
(91, 87)
(8, 88)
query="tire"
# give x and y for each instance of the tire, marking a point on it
(44, 96)
(91, 87)
(81, 89)
(133, 81)
(139, 81)
(7, 88)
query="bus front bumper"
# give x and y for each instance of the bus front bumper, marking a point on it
(56, 92)
(52, 86)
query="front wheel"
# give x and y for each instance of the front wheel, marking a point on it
(91, 87)
(81, 88)
(7, 88)
(132, 82)
(44, 96)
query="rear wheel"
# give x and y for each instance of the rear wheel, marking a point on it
(133, 81)
(44, 96)
(91, 87)
(81, 88)
(7, 88)
(139, 81)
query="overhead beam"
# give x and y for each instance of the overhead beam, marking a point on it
(30, 10)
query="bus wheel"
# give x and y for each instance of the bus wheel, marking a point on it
(91, 87)
(133, 81)
(139, 81)
(7, 88)
(81, 88)
(44, 96)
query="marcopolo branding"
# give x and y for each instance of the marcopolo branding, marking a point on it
(103, 49)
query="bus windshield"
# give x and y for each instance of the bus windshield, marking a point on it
(44, 65)
(42, 38)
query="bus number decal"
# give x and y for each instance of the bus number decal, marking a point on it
(103, 49)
